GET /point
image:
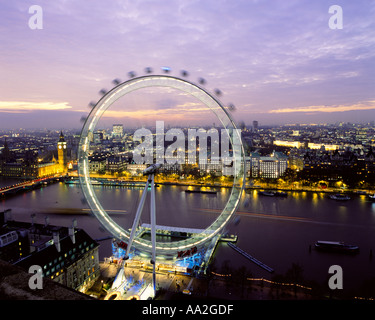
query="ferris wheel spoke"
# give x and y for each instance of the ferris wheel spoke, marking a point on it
(136, 219)
(153, 220)
(153, 231)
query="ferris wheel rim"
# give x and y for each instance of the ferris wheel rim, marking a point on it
(97, 111)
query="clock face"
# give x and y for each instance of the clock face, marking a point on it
(60, 146)
(64, 146)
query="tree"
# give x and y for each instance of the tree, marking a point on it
(290, 175)
(227, 271)
(295, 275)
(210, 276)
(278, 278)
(240, 277)
(225, 267)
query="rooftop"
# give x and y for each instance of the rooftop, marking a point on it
(14, 285)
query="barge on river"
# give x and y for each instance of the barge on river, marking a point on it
(336, 246)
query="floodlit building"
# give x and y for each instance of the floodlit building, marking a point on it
(98, 162)
(272, 166)
(287, 143)
(115, 163)
(30, 167)
(327, 147)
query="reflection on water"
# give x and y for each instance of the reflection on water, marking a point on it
(315, 199)
(278, 231)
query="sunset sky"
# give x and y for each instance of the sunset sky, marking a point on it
(276, 61)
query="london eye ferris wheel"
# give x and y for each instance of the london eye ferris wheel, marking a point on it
(211, 101)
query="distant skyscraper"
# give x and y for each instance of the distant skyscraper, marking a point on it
(117, 130)
(98, 137)
(255, 125)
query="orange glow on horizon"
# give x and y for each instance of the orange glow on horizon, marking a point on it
(369, 105)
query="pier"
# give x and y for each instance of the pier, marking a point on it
(251, 258)
(187, 262)
(108, 182)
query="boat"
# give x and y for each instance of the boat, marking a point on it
(273, 193)
(200, 191)
(371, 197)
(335, 246)
(339, 196)
(281, 194)
(361, 192)
(267, 193)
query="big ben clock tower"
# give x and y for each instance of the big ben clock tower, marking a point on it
(62, 153)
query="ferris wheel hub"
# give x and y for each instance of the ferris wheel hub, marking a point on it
(152, 169)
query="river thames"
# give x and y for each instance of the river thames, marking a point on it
(277, 231)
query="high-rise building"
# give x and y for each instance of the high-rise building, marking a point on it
(117, 131)
(98, 137)
(255, 125)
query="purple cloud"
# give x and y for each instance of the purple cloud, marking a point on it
(263, 55)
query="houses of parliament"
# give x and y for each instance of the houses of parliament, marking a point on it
(30, 167)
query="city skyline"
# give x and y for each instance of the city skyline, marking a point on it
(276, 62)
(269, 211)
(15, 132)
(316, 181)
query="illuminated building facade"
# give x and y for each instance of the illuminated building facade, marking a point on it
(30, 167)
(117, 130)
(62, 153)
(290, 144)
(271, 167)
